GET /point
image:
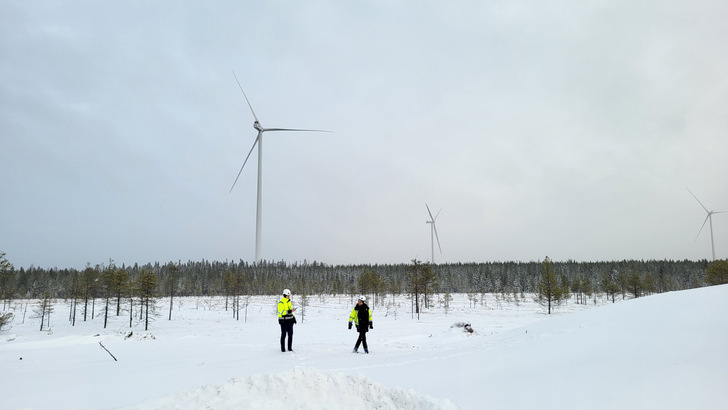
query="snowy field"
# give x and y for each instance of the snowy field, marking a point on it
(665, 351)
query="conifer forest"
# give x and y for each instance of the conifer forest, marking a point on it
(211, 278)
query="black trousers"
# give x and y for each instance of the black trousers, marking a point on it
(286, 328)
(362, 340)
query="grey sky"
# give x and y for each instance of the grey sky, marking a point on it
(567, 129)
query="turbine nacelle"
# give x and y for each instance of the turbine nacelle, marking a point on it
(258, 127)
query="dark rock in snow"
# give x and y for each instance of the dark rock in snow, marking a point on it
(466, 326)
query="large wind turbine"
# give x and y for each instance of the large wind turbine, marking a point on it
(707, 218)
(433, 233)
(259, 141)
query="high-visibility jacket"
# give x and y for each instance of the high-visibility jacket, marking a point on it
(285, 309)
(361, 315)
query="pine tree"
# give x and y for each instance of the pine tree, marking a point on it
(7, 279)
(44, 309)
(120, 285)
(565, 285)
(172, 284)
(429, 282)
(717, 273)
(550, 293)
(147, 285)
(609, 286)
(228, 284)
(89, 287)
(634, 284)
(5, 319)
(414, 283)
(370, 283)
(75, 294)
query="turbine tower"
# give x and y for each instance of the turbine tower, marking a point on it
(707, 218)
(433, 233)
(259, 141)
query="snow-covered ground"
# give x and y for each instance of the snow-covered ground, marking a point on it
(665, 351)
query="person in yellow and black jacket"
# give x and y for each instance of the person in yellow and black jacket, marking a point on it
(361, 315)
(286, 320)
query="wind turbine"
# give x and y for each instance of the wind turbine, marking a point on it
(709, 217)
(259, 141)
(433, 232)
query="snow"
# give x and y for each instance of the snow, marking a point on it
(664, 351)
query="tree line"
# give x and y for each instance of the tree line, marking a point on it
(133, 290)
(214, 278)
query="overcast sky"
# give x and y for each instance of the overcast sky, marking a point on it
(568, 129)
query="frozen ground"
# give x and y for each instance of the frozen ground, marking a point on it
(665, 351)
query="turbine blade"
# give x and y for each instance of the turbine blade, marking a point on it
(437, 237)
(701, 227)
(244, 162)
(246, 97)
(438, 213)
(293, 129)
(428, 211)
(696, 198)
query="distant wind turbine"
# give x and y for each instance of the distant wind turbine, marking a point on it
(259, 141)
(707, 218)
(433, 232)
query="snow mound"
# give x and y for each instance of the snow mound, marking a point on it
(299, 388)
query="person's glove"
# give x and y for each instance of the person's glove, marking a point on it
(371, 325)
(349, 325)
(294, 320)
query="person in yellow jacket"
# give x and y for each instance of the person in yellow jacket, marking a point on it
(361, 315)
(286, 320)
